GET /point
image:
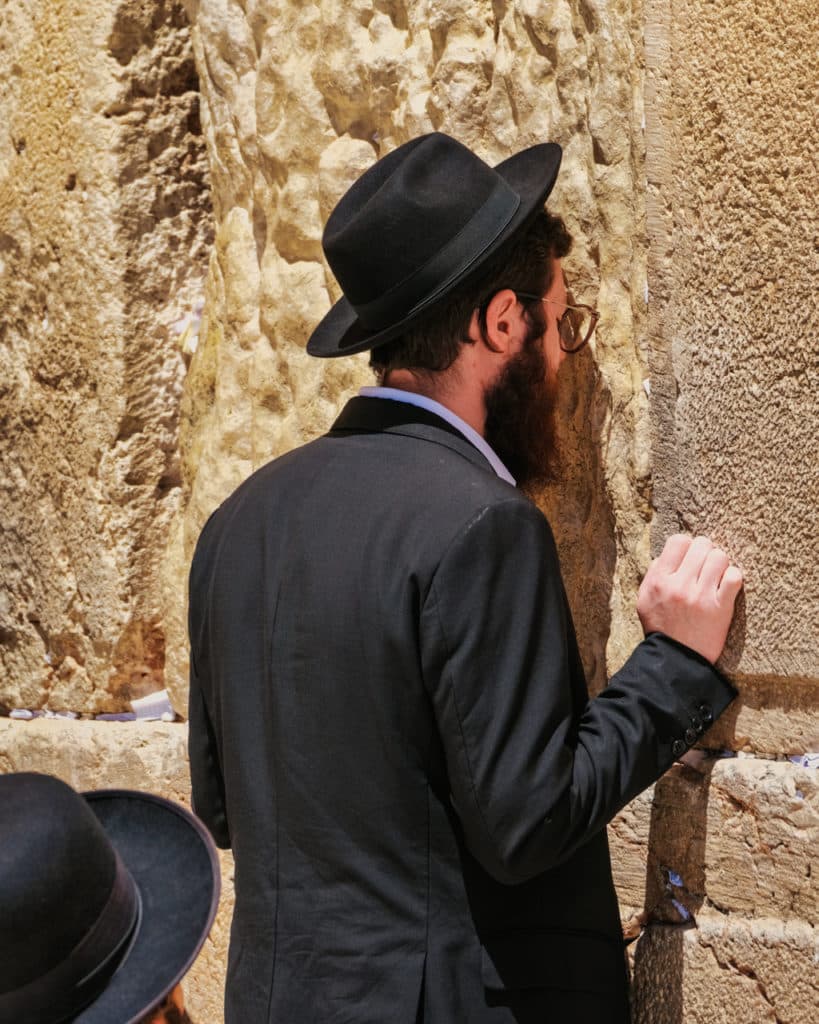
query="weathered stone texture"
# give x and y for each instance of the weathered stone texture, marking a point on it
(774, 715)
(733, 222)
(742, 838)
(298, 99)
(104, 226)
(727, 971)
(148, 756)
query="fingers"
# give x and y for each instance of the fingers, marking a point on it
(713, 568)
(697, 560)
(730, 585)
(673, 552)
(694, 560)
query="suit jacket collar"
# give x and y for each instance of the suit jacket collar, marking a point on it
(381, 415)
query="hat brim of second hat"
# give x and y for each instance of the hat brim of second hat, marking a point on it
(531, 173)
(173, 862)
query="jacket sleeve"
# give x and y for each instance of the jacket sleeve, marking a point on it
(534, 769)
(207, 783)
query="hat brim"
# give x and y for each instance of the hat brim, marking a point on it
(173, 862)
(531, 173)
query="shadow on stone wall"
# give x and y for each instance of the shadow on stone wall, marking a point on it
(579, 509)
(656, 991)
(675, 891)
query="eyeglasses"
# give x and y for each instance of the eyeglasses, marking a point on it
(575, 326)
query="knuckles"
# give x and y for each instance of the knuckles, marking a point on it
(682, 540)
(666, 592)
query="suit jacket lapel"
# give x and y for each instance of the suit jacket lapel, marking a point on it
(383, 415)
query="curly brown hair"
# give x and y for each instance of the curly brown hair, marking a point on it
(523, 264)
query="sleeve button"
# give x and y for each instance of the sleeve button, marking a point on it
(705, 713)
(691, 736)
(677, 748)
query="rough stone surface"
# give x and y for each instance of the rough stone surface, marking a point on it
(733, 223)
(741, 838)
(104, 225)
(297, 100)
(727, 971)
(148, 756)
(773, 715)
(706, 290)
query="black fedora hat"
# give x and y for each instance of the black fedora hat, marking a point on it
(417, 224)
(105, 900)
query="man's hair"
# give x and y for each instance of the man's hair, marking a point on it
(523, 264)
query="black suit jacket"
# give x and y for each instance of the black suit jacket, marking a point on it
(389, 725)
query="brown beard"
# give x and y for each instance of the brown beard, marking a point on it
(520, 420)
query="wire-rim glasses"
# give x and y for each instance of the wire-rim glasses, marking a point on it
(575, 326)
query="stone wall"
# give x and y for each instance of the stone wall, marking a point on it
(732, 224)
(105, 226)
(689, 187)
(720, 866)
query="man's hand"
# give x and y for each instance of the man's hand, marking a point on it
(688, 593)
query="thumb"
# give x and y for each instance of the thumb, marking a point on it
(731, 584)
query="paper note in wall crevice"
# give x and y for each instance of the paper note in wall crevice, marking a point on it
(154, 707)
(807, 760)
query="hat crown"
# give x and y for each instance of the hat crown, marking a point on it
(404, 211)
(53, 847)
(418, 224)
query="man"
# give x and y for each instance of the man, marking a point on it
(105, 900)
(388, 718)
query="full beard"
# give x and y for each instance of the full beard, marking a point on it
(520, 417)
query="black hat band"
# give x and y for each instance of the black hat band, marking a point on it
(83, 974)
(424, 284)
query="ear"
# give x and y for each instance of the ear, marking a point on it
(505, 323)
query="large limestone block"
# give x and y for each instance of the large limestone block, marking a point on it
(104, 227)
(149, 756)
(727, 971)
(298, 99)
(743, 838)
(733, 223)
(773, 715)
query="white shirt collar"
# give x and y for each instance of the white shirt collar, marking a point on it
(411, 398)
